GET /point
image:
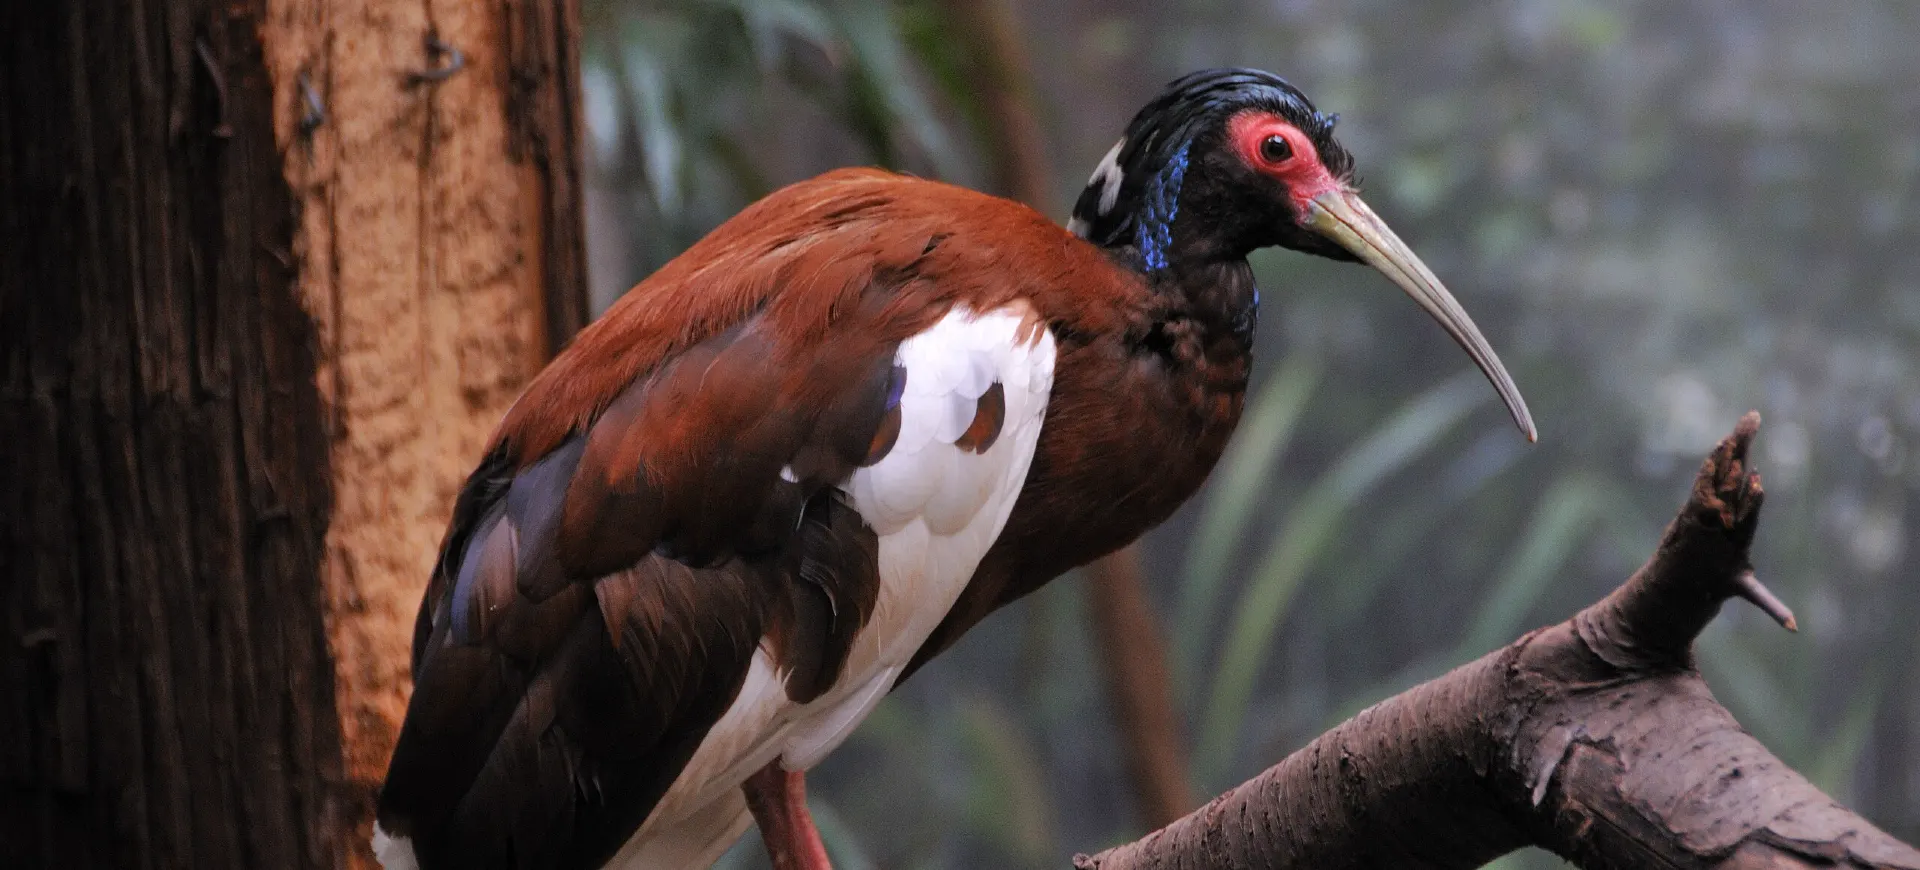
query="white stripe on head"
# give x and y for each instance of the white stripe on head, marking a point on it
(1109, 176)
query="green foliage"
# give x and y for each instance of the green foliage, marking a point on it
(1569, 510)
(1302, 537)
(1244, 472)
(691, 103)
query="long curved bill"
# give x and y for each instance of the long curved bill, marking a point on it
(1345, 219)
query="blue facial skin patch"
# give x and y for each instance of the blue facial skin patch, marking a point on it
(1155, 232)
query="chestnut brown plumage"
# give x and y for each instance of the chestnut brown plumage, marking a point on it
(669, 502)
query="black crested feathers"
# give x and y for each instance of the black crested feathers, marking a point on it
(1161, 135)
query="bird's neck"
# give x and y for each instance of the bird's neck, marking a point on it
(1216, 296)
(1199, 277)
(1137, 418)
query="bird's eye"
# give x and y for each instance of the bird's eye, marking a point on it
(1276, 149)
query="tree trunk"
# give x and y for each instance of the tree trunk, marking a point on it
(273, 270)
(442, 257)
(163, 652)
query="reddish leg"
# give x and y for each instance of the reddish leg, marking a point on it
(778, 800)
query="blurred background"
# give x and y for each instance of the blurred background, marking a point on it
(1662, 214)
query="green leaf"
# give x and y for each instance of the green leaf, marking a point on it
(1566, 514)
(1391, 541)
(1012, 801)
(1244, 472)
(884, 90)
(660, 136)
(1758, 697)
(1308, 528)
(1839, 754)
(767, 22)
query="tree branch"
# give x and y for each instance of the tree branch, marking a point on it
(1595, 738)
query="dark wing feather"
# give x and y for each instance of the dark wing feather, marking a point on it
(600, 612)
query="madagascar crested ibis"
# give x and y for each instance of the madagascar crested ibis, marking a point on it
(809, 453)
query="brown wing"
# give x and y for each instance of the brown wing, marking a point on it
(659, 501)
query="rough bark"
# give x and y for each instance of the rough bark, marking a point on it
(169, 695)
(431, 147)
(272, 271)
(1595, 738)
(543, 107)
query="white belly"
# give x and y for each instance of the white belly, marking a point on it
(936, 509)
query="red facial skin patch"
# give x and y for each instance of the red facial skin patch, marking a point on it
(1301, 171)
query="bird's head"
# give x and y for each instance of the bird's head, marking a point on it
(1229, 160)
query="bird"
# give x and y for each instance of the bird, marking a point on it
(809, 453)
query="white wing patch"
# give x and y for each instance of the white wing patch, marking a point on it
(936, 507)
